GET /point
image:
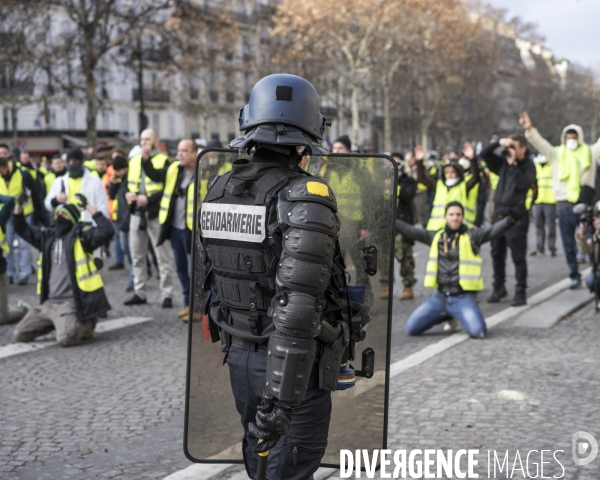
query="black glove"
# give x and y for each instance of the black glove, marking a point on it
(517, 211)
(82, 200)
(272, 421)
(22, 199)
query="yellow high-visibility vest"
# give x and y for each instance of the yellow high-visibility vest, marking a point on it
(74, 188)
(443, 196)
(86, 274)
(15, 188)
(469, 264)
(544, 181)
(165, 201)
(49, 180)
(134, 174)
(3, 241)
(344, 186)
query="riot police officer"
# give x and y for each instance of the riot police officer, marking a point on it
(269, 232)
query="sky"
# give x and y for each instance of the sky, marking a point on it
(571, 27)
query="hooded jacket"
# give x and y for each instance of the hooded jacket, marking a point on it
(88, 305)
(587, 177)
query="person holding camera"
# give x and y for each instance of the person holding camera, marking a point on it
(78, 180)
(591, 245)
(145, 185)
(517, 176)
(69, 283)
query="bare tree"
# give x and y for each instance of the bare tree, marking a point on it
(21, 34)
(98, 28)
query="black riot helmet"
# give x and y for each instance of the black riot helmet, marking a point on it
(283, 110)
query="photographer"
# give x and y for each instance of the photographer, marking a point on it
(585, 246)
(517, 175)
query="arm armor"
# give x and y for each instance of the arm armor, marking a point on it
(309, 225)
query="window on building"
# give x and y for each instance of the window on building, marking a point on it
(214, 130)
(71, 118)
(171, 126)
(125, 123)
(105, 120)
(156, 123)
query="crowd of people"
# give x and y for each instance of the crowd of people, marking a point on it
(70, 207)
(518, 177)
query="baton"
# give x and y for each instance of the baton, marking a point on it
(261, 469)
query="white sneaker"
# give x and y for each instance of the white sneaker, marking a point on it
(451, 325)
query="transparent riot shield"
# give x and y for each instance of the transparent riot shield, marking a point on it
(365, 188)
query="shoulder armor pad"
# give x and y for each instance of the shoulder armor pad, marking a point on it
(216, 188)
(311, 189)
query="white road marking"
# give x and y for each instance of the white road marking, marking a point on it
(199, 470)
(107, 326)
(203, 470)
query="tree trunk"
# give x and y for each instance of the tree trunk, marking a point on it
(425, 124)
(387, 119)
(92, 108)
(14, 110)
(341, 127)
(355, 116)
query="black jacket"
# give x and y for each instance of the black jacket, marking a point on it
(448, 262)
(6, 205)
(37, 194)
(406, 210)
(118, 191)
(89, 305)
(515, 180)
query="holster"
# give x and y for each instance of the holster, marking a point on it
(330, 360)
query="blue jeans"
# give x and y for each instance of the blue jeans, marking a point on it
(568, 223)
(124, 241)
(182, 261)
(119, 255)
(24, 260)
(589, 282)
(462, 307)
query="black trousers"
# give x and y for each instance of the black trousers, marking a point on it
(516, 240)
(298, 454)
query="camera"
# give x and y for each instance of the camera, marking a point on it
(587, 213)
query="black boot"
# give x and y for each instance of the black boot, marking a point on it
(519, 299)
(498, 294)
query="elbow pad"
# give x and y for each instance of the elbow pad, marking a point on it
(307, 216)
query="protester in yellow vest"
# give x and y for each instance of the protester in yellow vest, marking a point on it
(145, 184)
(544, 209)
(348, 189)
(58, 169)
(77, 180)
(69, 284)
(176, 214)
(454, 270)
(573, 181)
(15, 181)
(452, 186)
(7, 315)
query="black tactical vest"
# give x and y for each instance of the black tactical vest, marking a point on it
(238, 226)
